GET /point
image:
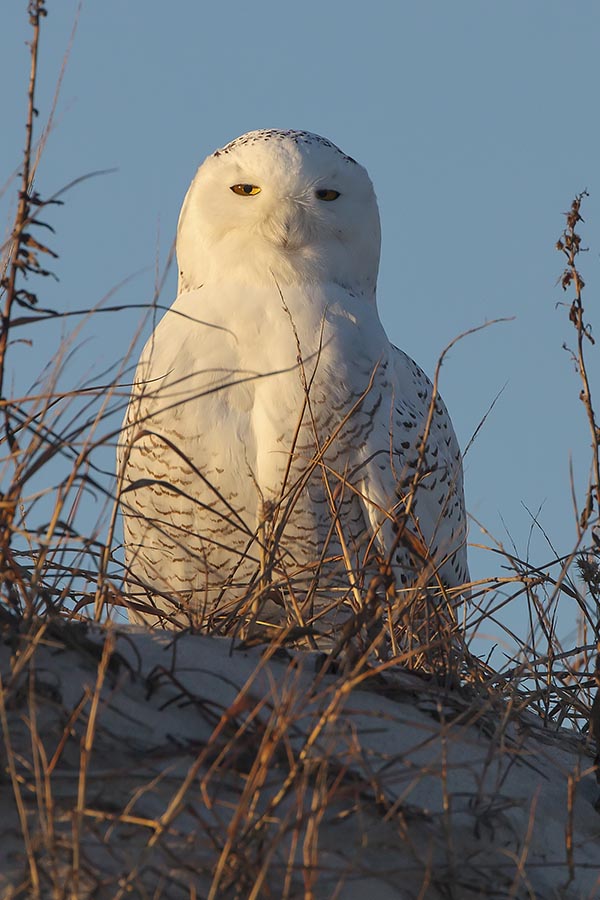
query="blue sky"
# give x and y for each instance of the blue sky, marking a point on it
(477, 122)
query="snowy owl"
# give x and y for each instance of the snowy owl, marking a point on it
(278, 450)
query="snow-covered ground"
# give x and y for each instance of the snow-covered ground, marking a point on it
(148, 765)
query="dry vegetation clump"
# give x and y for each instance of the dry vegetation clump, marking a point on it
(263, 762)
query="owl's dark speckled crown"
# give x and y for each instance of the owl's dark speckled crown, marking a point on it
(270, 134)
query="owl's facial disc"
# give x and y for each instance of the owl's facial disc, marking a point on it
(280, 202)
(288, 215)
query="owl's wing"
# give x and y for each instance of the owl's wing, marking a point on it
(420, 487)
(188, 511)
(438, 506)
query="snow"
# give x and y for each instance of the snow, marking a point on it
(221, 771)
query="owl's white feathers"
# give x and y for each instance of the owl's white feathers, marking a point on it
(269, 396)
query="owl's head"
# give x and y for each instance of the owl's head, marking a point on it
(283, 205)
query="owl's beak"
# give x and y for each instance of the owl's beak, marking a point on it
(288, 227)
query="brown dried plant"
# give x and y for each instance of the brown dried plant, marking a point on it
(588, 562)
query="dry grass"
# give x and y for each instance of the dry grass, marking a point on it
(265, 762)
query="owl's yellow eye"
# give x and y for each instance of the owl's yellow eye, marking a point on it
(245, 190)
(324, 194)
